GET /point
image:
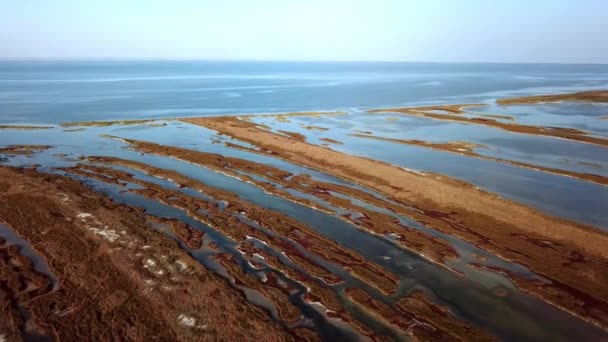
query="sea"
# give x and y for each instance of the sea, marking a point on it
(53, 91)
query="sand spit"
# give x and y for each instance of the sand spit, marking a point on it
(583, 96)
(125, 280)
(497, 116)
(288, 114)
(284, 258)
(466, 148)
(24, 127)
(434, 112)
(111, 123)
(513, 231)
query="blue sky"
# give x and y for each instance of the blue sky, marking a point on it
(409, 30)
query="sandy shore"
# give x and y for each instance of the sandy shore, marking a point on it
(516, 232)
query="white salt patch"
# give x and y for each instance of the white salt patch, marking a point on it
(150, 263)
(393, 236)
(84, 215)
(256, 255)
(414, 171)
(186, 321)
(181, 266)
(109, 235)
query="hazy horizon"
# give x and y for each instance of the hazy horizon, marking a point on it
(434, 31)
(187, 59)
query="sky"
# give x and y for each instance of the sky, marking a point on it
(550, 31)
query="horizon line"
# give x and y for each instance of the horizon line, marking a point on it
(195, 59)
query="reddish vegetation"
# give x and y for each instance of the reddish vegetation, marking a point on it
(228, 224)
(459, 209)
(418, 315)
(430, 247)
(118, 277)
(306, 272)
(192, 237)
(270, 288)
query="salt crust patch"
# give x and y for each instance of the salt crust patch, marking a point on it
(189, 322)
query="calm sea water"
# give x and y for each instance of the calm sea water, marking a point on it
(60, 91)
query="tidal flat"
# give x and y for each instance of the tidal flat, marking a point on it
(431, 222)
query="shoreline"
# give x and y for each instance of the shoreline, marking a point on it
(267, 225)
(469, 223)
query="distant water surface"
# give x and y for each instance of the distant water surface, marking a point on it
(61, 91)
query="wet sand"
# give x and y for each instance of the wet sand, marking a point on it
(513, 231)
(583, 96)
(467, 149)
(122, 275)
